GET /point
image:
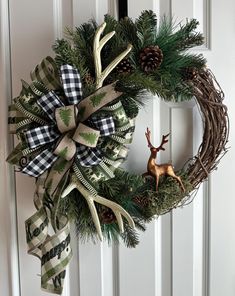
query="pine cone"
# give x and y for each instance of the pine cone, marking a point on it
(107, 216)
(190, 73)
(89, 79)
(124, 67)
(150, 58)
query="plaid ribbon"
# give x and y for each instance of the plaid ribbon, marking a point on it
(40, 163)
(48, 134)
(49, 103)
(56, 254)
(46, 72)
(41, 135)
(86, 156)
(72, 84)
(105, 125)
(54, 251)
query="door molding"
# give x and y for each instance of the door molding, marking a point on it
(9, 251)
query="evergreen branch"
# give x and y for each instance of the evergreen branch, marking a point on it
(66, 54)
(186, 37)
(130, 237)
(111, 24)
(137, 82)
(128, 31)
(146, 26)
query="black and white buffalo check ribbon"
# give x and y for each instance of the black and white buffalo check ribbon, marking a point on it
(72, 84)
(49, 135)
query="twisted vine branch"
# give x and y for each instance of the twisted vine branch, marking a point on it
(209, 97)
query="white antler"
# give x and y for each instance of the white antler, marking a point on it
(90, 198)
(97, 47)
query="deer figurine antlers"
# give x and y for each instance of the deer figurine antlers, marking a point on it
(155, 170)
(74, 183)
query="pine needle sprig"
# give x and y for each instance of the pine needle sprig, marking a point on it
(128, 32)
(66, 54)
(111, 24)
(138, 81)
(82, 38)
(130, 237)
(187, 37)
(146, 26)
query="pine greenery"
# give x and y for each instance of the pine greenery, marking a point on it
(174, 40)
(125, 189)
(135, 194)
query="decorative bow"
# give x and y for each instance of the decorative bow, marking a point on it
(67, 142)
(74, 138)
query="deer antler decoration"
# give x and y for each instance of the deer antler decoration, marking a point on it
(155, 170)
(74, 183)
(90, 198)
(97, 47)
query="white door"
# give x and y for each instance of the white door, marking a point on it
(188, 252)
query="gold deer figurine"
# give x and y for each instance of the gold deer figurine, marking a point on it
(155, 170)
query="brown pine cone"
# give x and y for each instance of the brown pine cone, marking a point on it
(189, 73)
(124, 67)
(89, 79)
(151, 58)
(107, 216)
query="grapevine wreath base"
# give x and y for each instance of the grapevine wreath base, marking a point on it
(74, 122)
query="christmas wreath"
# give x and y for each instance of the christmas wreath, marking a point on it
(76, 117)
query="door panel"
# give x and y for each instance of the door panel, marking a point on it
(189, 251)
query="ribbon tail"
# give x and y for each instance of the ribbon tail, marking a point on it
(40, 190)
(54, 251)
(46, 248)
(56, 254)
(36, 231)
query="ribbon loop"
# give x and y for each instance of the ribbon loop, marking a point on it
(71, 83)
(66, 148)
(47, 73)
(105, 125)
(49, 103)
(86, 135)
(66, 118)
(41, 135)
(40, 163)
(97, 100)
(88, 156)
